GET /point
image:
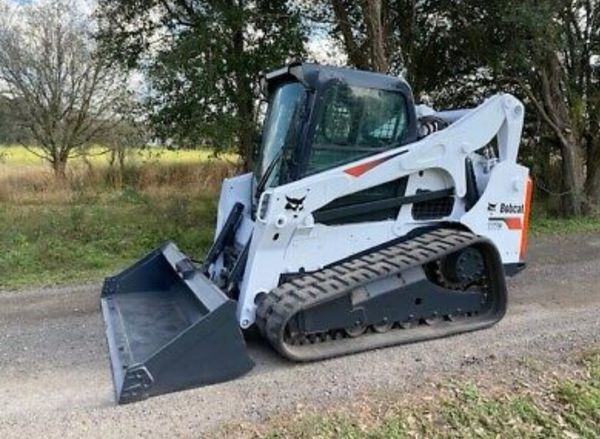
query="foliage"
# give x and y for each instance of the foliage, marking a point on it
(202, 61)
(418, 39)
(546, 49)
(10, 132)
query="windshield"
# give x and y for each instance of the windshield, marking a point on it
(356, 122)
(279, 128)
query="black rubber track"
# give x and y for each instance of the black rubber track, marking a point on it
(290, 298)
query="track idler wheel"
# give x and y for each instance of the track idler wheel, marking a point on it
(383, 327)
(433, 320)
(461, 269)
(356, 331)
(408, 323)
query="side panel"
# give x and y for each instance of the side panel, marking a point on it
(500, 213)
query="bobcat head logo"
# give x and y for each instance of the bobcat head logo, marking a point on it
(294, 204)
(492, 207)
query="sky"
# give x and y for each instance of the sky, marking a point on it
(320, 46)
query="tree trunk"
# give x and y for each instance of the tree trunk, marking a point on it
(244, 101)
(573, 179)
(246, 137)
(117, 166)
(367, 52)
(592, 183)
(59, 166)
(375, 35)
(356, 54)
(571, 144)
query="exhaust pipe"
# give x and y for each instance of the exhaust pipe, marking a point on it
(169, 328)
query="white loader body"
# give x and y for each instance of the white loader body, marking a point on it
(290, 241)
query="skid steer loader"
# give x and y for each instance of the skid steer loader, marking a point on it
(369, 221)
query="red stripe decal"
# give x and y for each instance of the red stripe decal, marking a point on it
(357, 171)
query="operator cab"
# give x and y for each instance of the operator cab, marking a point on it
(321, 117)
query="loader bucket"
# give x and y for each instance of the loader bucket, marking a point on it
(169, 328)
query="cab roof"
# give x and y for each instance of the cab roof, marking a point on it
(316, 76)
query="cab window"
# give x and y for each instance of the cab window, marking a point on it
(356, 122)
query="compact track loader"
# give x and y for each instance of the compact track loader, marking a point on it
(369, 221)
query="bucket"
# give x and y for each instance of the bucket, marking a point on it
(169, 328)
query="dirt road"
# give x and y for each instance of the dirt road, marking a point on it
(55, 377)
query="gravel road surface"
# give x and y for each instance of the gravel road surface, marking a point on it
(55, 376)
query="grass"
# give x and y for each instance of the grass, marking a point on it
(562, 226)
(25, 178)
(94, 224)
(87, 235)
(91, 237)
(561, 408)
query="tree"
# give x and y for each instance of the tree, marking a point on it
(363, 29)
(202, 60)
(63, 93)
(415, 38)
(546, 49)
(129, 131)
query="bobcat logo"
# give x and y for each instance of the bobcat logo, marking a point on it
(294, 204)
(492, 207)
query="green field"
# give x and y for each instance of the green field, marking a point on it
(13, 156)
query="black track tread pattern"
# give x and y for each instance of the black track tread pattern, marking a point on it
(296, 295)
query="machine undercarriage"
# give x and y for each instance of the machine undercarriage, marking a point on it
(385, 298)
